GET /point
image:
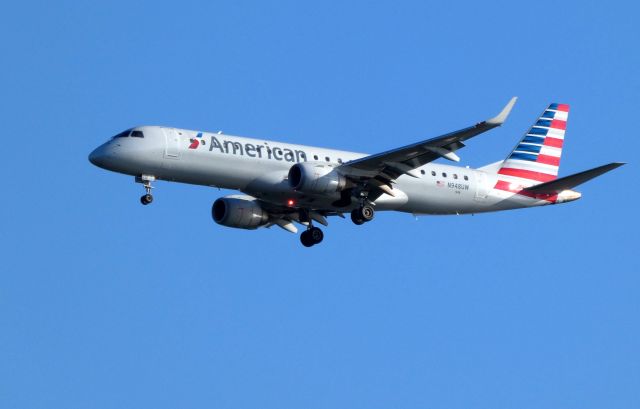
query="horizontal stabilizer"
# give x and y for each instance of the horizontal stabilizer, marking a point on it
(569, 182)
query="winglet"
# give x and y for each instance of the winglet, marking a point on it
(502, 116)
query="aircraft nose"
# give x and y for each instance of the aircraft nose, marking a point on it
(93, 157)
(98, 156)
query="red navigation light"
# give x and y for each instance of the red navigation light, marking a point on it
(290, 202)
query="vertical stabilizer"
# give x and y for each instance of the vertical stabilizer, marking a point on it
(536, 158)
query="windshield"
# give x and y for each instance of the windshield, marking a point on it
(123, 134)
(129, 132)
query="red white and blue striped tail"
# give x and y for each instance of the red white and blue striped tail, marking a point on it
(537, 157)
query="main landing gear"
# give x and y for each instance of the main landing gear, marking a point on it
(362, 214)
(146, 180)
(311, 236)
(314, 235)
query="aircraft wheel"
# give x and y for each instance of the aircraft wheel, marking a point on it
(316, 235)
(356, 218)
(146, 199)
(306, 239)
(367, 213)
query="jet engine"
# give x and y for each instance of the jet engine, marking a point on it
(242, 212)
(316, 178)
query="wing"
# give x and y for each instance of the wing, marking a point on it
(284, 217)
(383, 168)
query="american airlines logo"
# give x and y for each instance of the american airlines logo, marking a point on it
(197, 141)
(260, 151)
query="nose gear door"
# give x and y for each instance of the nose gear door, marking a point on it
(172, 143)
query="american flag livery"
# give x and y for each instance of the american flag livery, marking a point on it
(536, 158)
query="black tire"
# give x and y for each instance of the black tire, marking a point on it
(146, 199)
(305, 239)
(367, 213)
(356, 218)
(316, 235)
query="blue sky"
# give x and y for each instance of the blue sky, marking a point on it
(108, 304)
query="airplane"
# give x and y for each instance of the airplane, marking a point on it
(283, 183)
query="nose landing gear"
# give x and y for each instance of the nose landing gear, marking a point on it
(146, 199)
(146, 180)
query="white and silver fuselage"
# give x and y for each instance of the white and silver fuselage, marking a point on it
(260, 168)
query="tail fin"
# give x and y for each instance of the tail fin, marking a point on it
(536, 158)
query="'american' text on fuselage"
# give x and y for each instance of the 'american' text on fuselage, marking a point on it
(257, 151)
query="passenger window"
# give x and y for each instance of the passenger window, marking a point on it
(137, 134)
(433, 173)
(466, 177)
(422, 171)
(444, 175)
(327, 159)
(340, 161)
(315, 157)
(455, 176)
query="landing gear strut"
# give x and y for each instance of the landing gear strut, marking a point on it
(362, 214)
(311, 236)
(146, 180)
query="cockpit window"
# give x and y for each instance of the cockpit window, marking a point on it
(137, 134)
(123, 134)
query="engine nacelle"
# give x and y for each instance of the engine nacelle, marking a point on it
(316, 178)
(242, 212)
